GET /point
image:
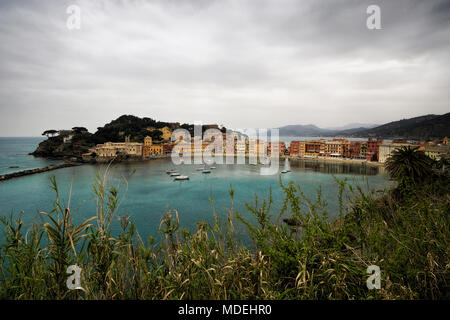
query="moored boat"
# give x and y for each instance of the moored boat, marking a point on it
(181, 178)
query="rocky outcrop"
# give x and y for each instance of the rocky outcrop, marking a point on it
(56, 148)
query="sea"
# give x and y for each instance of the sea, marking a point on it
(146, 192)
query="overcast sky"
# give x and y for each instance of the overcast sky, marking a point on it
(243, 64)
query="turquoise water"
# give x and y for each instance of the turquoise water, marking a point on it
(14, 153)
(151, 191)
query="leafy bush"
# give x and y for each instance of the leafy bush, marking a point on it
(298, 253)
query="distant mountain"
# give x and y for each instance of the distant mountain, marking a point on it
(304, 130)
(313, 130)
(353, 126)
(425, 127)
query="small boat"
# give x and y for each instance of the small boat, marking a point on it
(174, 174)
(200, 169)
(206, 171)
(181, 178)
(212, 167)
(287, 167)
(170, 171)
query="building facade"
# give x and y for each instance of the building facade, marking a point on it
(113, 149)
(150, 149)
(386, 149)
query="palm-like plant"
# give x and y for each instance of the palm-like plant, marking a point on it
(408, 164)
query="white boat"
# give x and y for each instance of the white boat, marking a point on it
(174, 174)
(206, 171)
(212, 167)
(287, 168)
(200, 169)
(170, 171)
(181, 178)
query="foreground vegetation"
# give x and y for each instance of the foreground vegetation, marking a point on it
(405, 231)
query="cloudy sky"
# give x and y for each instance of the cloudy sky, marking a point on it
(240, 63)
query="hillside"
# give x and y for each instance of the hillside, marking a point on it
(115, 131)
(304, 130)
(314, 131)
(425, 127)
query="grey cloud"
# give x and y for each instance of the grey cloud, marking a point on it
(240, 63)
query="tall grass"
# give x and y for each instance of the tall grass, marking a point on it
(297, 253)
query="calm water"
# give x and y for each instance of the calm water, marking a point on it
(151, 191)
(14, 153)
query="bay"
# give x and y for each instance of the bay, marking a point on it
(147, 191)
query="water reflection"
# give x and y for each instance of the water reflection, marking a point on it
(336, 167)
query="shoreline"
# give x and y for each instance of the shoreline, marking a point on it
(337, 160)
(168, 156)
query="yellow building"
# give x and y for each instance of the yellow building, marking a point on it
(436, 152)
(151, 149)
(166, 133)
(112, 149)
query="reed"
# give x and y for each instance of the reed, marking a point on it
(309, 257)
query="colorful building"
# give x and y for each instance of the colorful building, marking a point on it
(314, 148)
(355, 149)
(151, 149)
(297, 148)
(336, 148)
(166, 133)
(113, 149)
(436, 152)
(280, 146)
(373, 146)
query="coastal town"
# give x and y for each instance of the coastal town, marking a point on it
(370, 150)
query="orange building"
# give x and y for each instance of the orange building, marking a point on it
(151, 149)
(281, 148)
(314, 148)
(373, 148)
(297, 148)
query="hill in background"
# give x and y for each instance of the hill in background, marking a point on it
(424, 127)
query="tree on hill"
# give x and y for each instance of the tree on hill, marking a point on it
(128, 125)
(79, 130)
(49, 133)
